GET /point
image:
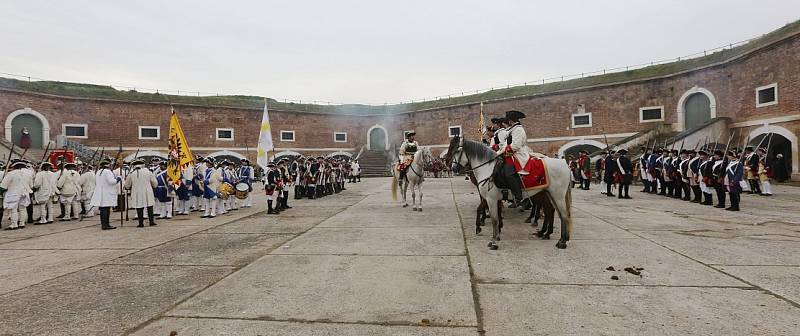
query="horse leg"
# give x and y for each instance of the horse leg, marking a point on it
(480, 215)
(419, 186)
(404, 187)
(562, 205)
(499, 218)
(495, 215)
(413, 198)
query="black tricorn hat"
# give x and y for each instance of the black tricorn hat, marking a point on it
(719, 152)
(45, 164)
(514, 115)
(622, 151)
(137, 162)
(18, 164)
(498, 120)
(702, 152)
(412, 133)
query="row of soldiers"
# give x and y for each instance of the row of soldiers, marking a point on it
(615, 168)
(29, 189)
(696, 176)
(311, 177)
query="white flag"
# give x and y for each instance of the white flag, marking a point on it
(264, 139)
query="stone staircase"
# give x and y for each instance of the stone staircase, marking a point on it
(33, 154)
(374, 164)
(712, 131)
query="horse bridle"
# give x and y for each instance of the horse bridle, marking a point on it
(461, 154)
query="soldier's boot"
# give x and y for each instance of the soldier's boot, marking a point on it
(310, 192)
(515, 185)
(720, 199)
(697, 194)
(707, 199)
(734, 202)
(270, 210)
(608, 190)
(297, 194)
(286, 200)
(140, 216)
(61, 205)
(646, 184)
(756, 187)
(150, 217)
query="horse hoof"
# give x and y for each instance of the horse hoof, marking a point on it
(545, 237)
(561, 245)
(493, 247)
(420, 209)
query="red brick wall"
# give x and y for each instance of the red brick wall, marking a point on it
(615, 109)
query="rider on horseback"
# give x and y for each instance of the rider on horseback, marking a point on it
(407, 150)
(515, 152)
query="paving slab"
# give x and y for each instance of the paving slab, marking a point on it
(746, 249)
(128, 237)
(102, 300)
(214, 327)
(208, 249)
(378, 241)
(22, 268)
(31, 230)
(271, 224)
(368, 289)
(585, 262)
(614, 310)
(781, 280)
(397, 216)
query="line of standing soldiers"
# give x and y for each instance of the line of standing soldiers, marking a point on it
(695, 176)
(311, 177)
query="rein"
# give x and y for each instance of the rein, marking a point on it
(472, 169)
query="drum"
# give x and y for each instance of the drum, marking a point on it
(225, 190)
(242, 189)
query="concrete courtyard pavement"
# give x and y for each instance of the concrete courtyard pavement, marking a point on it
(358, 264)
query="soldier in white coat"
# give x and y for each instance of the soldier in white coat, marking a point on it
(355, 171)
(515, 150)
(17, 188)
(44, 189)
(87, 190)
(105, 193)
(141, 181)
(69, 185)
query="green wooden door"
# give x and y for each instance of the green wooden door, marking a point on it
(697, 110)
(377, 139)
(34, 126)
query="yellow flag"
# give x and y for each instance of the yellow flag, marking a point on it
(180, 156)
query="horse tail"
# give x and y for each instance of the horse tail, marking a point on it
(394, 185)
(569, 208)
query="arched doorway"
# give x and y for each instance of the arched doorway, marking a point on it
(377, 138)
(695, 107)
(34, 122)
(698, 110)
(780, 141)
(226, 155)
(573, 147)
(340, 155)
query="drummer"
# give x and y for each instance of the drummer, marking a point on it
(246, 178)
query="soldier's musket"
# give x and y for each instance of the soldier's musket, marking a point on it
(46, 149)
(118, 159)
(8, 162)
(91, 159)
(766, 149)
(127, 215)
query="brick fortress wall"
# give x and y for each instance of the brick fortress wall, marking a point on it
(614, 107)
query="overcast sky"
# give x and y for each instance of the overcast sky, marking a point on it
(360, 51)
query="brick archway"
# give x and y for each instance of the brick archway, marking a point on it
(766, 129)
(29, 111)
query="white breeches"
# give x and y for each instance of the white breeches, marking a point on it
(72, 206)
(211, 206)
(766, 187)
(45, 212)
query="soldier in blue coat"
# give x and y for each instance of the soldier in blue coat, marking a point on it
(163, 192)
(734, 173)
(608, 173)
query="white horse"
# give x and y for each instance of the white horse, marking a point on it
(483, 160)
(415, 175)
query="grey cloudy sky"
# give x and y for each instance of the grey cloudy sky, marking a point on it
(360, 51)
